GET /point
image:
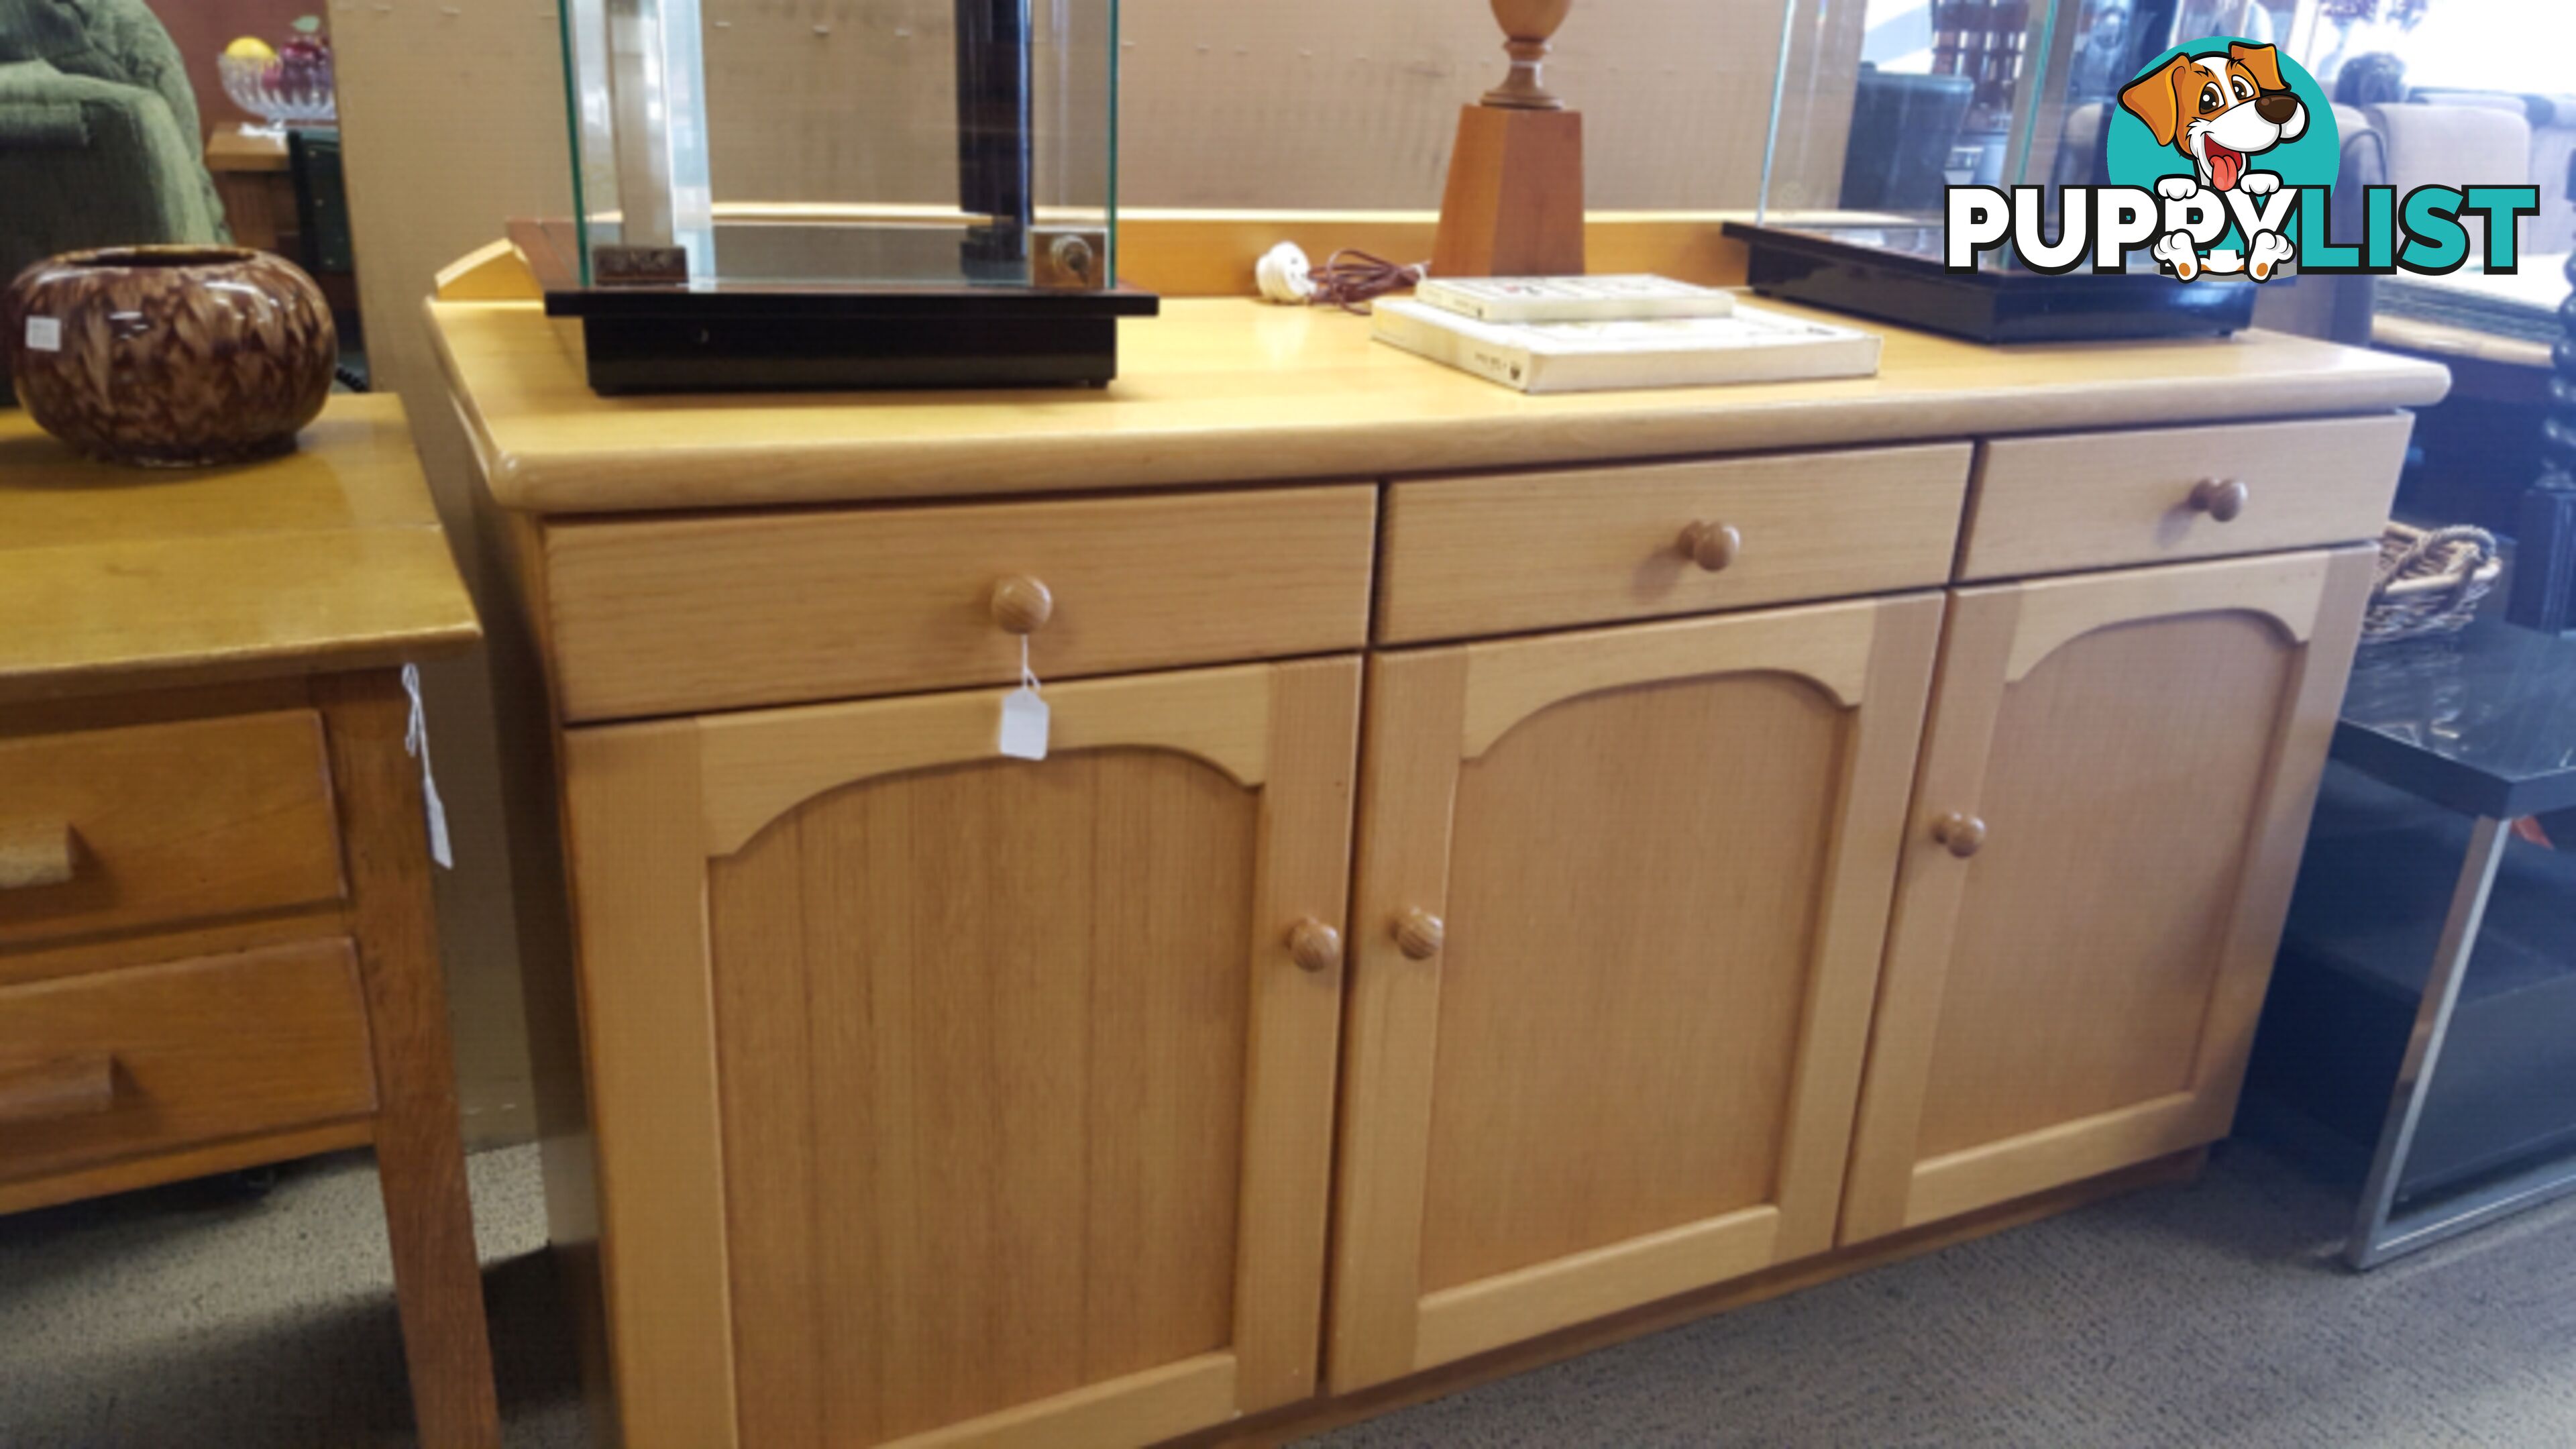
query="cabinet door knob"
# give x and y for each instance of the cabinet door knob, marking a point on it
(1711, 545)
(1314, 946)
(1965, 835)
(1417, 934)
(1022, 605)
(2221, 498)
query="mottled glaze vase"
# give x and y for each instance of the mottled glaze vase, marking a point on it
(169, 356)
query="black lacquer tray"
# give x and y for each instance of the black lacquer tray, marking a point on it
(1894, 273)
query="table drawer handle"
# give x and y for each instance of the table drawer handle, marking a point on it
(34, 855)
(2221, 498)
(79, 1086)
(1022, 605)
(1711, 545)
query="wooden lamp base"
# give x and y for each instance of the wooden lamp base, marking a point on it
(1514, 204)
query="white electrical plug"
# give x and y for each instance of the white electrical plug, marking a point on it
(1285, 275)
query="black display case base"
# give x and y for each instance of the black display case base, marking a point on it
(732, 338)
(705, 350)
(1894, 273)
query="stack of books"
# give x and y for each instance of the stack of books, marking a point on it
(1585, 334)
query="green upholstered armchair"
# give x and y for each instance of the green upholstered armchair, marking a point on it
(98, 133)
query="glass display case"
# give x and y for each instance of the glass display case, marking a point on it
(1998, 93)
(856, 193)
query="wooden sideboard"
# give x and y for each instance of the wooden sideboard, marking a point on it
(217, 946)
(1504, 863)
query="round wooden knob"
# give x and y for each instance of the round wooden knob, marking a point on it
(1711, 545)
(1022, 605)
(1965, 835)
(2220, 498)
(1314, 946)
(1418, 933)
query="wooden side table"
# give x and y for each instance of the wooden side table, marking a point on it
(252, 177)
(216, 940)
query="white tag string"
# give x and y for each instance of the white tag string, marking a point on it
(1024, 715)
(416, 745)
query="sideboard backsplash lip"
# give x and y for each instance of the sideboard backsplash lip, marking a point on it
(1226, 392)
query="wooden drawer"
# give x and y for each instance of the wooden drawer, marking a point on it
(156, 825)
(1499, 555)
(154, 1058)
(2099, 500)
(678, 615)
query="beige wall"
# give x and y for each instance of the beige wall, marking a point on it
(1320, 104)
(452, 119)
(1352, 103)
(450, 123)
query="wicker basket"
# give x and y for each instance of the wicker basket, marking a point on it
(2430, 581)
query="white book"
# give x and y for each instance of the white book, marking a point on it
(1749, 346)
(1571, 299)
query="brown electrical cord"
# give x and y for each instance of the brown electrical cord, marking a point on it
(1350, 277)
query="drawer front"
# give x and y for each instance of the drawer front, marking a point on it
(1499, 555)
(113, 830)
(2100, 500)
(671, 616)
(154, 1058)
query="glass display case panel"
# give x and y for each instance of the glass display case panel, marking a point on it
(1878, 117)
(844, 143)
(1930, 94)
(1351, 105)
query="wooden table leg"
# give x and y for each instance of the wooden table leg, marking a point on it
(420, 1156)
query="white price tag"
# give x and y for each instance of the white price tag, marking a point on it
(44, 334)
(1024, 715)
(416, 742)
(1024, 724)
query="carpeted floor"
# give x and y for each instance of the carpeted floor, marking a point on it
(2201, 1315)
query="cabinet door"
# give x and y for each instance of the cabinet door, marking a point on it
(946, 1098)
(2077, 991)
(1621, 901)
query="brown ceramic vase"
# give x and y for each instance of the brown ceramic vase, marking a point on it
(169, 356)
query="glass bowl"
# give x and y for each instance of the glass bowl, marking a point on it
(281, 91)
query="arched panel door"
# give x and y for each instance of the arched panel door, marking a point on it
(1621, 899)
(954, 1099)
(2115, 792)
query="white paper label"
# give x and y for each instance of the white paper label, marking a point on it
(44, 334)
(439, 849)
(416, 742)
(1024, 724)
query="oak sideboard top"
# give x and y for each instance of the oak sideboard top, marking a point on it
(121, 578)
(1222, 390)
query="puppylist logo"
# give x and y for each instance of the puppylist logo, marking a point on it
(2221, 155)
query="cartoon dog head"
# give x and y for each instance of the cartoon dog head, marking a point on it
(2218, 109)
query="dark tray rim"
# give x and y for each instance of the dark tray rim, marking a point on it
(540, 244)
(1806, 242)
